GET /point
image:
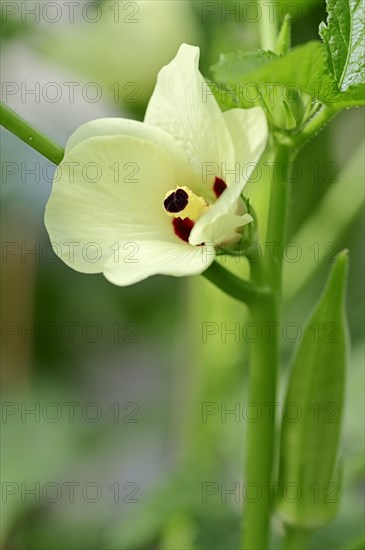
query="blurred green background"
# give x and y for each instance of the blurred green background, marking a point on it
(104, 440)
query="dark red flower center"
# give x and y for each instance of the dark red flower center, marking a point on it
(183, 228)
(219, 186)
(177, 201)
(182, 202)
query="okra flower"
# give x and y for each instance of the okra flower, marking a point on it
(134, 199)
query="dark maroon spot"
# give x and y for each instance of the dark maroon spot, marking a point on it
(177, 201)
(219, 186)
(183, 228)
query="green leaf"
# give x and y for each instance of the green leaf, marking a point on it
(344, 40)
(249, 79)
(242, 63)
(304, 66)
(308, 492)
(275, 78)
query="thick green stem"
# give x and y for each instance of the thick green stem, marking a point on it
(264, 363)
(296, 538)
(260, 435)
(230, 284)
(280, 175)
(268, 25)
(27, 133)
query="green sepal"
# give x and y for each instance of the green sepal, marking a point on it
(309, 481)
(283, 42)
